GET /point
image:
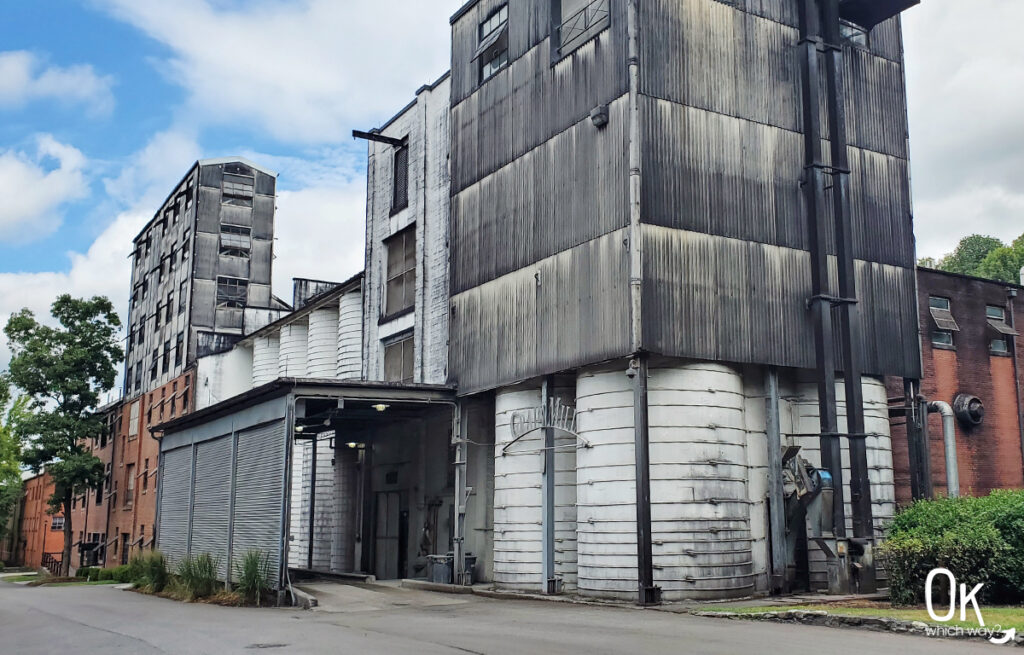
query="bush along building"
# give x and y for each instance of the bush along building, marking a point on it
(964, 435)
(200, 277)
(626, 319)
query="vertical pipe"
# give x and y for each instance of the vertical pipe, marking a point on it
(849, 324)
(548, 492)
(635, 229)
(776, 500)
(814, 195)
(286, 500)
(914, 432)
(231, 502)
(312, 502)
(459, 562)
(1016, 371)
(648, 595)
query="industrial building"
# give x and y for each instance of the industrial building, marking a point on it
(626, 319)
(971, 440)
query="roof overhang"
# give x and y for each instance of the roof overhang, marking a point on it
(868, 13)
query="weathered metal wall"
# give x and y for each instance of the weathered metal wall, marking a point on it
(565, 311)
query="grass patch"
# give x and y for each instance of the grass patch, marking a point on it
(1005, 617)
(76, 583)
(28, 577)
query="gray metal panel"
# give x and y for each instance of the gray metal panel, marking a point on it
(259, 492)
(204, 294)
(265, 184)
(210, 176)
(175, 491)
(263, 217)
(567, 310)
(260, 261)
(233, 266)
(236, 215)
(746, 302)
(208, 210)
(569, 190)
(211, 500)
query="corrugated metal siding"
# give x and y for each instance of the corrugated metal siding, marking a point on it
(567, 310)
(175, 491)
(571, 189)
(211, 500)
(259, 493)
(720, 299)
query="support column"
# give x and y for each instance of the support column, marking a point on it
(776, 499)
(550, 585)
(312, 502)
(461, 495)
(649, 594)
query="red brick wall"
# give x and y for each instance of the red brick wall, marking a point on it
(37, 537)
(990, 455)
(133, 512)
(88, 517)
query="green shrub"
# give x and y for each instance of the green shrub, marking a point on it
(1, 567)
(980, 540)
(120, 573)
(197, 576)
(84, 572)
(148, 570)
(253, 574)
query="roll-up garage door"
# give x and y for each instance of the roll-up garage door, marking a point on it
(212, 501)
(259, 493)
(175, 490)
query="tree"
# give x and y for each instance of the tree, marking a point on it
(10, 455)
(969, 254)
(1004, 263)
(63, 370)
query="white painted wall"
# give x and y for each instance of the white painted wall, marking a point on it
(323, 343)
(221, 376)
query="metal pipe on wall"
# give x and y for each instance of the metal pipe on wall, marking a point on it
(649, 594)
(776, 499)
(821, 301)
(949, 445)
(548, 492)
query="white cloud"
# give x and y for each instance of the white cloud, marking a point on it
(965, 79)
(33, 189)
(305, 71)
(24, 78)
(319, 234)
(151, 172)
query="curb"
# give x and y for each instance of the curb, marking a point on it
(825, 619)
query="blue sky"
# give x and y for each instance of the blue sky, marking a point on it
(104, 104)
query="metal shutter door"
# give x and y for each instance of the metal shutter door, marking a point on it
(212, 500)
(259, 493)
(175, 490)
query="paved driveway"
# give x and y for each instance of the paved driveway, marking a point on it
(106, 620)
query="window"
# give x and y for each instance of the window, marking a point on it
(179, 348)
(235, 240)
(133, 422)
(57, 523)
(492, 52)
(170, 307)
(398, 360)
(942, 338)
(129, 483)
(154, 365)
(237, 190)
(945, 324)
(156, 317)
(167, 356)
(581, 20)
(232, 291)
(401, 273)
(935, 302)
(182, 297)
(996, 317)
(145, 476)
(852, 34)
(400, 180)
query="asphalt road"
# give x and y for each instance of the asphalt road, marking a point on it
(107, 620)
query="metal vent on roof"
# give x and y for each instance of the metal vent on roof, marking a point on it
(944, 319)
(1002, 327)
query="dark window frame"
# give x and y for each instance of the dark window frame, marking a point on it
(583, 26)
(400, 178)
(399, 270)
(400, 351)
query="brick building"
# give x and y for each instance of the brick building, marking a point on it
(970, 348)
(89, 512)
(41, 533)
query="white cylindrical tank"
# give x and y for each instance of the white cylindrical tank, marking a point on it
(265, 353)
(323, 343)
(294, 348)
(879, 454)
(606, 485)
(700, 506)
(350, 336)
(517, 495)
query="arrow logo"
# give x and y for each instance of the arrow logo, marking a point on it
(1007, 637)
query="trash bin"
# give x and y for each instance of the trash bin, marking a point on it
(470, 568)
(440, 568)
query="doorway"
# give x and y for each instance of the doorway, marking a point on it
(391, 531)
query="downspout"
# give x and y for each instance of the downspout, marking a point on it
(648, 593)
(776, 495)
(1016, 366)
(949, 444)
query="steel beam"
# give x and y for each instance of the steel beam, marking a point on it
(548, 492)
(649, 594)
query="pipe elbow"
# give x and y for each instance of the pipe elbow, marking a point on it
(941, 407)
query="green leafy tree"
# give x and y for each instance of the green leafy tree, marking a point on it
(63, 370)
(969, 254)
(1004, 263)
(10, 455)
